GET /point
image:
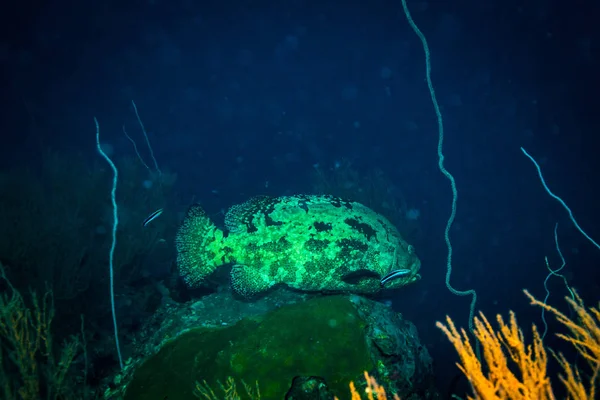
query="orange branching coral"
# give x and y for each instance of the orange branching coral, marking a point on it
(500, 382)
(584, 335)
(373, 390)
(504, 351)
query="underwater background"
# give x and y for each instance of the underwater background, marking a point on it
(216, 102)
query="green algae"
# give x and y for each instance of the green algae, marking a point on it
(321, 337)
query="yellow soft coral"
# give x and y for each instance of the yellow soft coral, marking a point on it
(373, 390)
(584, 335)
(28, 364)
(500, 382)
(515, 370)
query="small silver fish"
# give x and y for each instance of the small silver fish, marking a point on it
(397, 273)
(152, 217)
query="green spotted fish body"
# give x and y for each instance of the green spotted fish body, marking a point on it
(310, 243)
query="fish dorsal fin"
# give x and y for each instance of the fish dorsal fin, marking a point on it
(240, 216)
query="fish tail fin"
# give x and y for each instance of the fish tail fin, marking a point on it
(199, 247)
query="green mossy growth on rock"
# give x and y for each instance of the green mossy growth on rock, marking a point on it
(322, 337)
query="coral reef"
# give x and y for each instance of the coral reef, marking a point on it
(335, 338)
(55, 234)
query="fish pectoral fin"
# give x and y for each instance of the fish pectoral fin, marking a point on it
(248, 281)
(357, 276)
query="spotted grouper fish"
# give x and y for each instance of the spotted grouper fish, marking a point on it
(309, 243)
